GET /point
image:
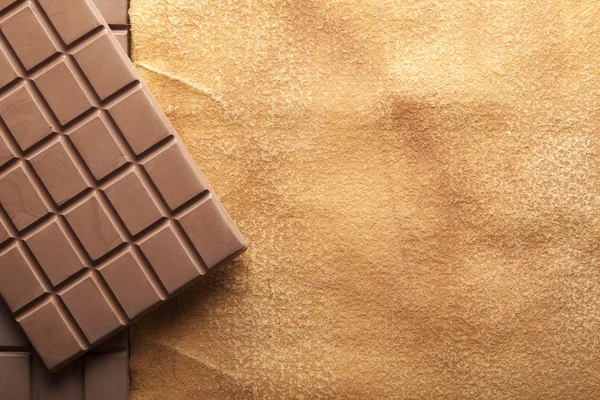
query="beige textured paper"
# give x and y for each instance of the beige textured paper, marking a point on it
(419, 184)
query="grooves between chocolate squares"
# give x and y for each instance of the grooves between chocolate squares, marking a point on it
(103, 373)
(87, 142)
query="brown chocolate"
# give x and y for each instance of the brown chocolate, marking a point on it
(105, 212)
(116, 16)
(103, 373)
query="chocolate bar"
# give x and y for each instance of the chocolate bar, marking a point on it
(104, 214)
(101, 374)
(115, 13)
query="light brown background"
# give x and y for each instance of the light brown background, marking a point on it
(418, 181)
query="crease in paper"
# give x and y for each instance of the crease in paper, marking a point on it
(190, 84)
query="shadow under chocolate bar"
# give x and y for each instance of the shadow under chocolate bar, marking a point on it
(106, 213)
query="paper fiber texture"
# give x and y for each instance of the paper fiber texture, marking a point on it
(418, 181)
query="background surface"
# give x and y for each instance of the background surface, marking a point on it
(418, 182)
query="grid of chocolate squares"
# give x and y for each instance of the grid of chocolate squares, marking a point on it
(103, 213)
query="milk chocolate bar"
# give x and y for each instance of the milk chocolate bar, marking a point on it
(101, 374)
(115, 13)
(104, 215)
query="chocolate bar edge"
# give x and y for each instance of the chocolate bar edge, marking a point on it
(177, 141)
